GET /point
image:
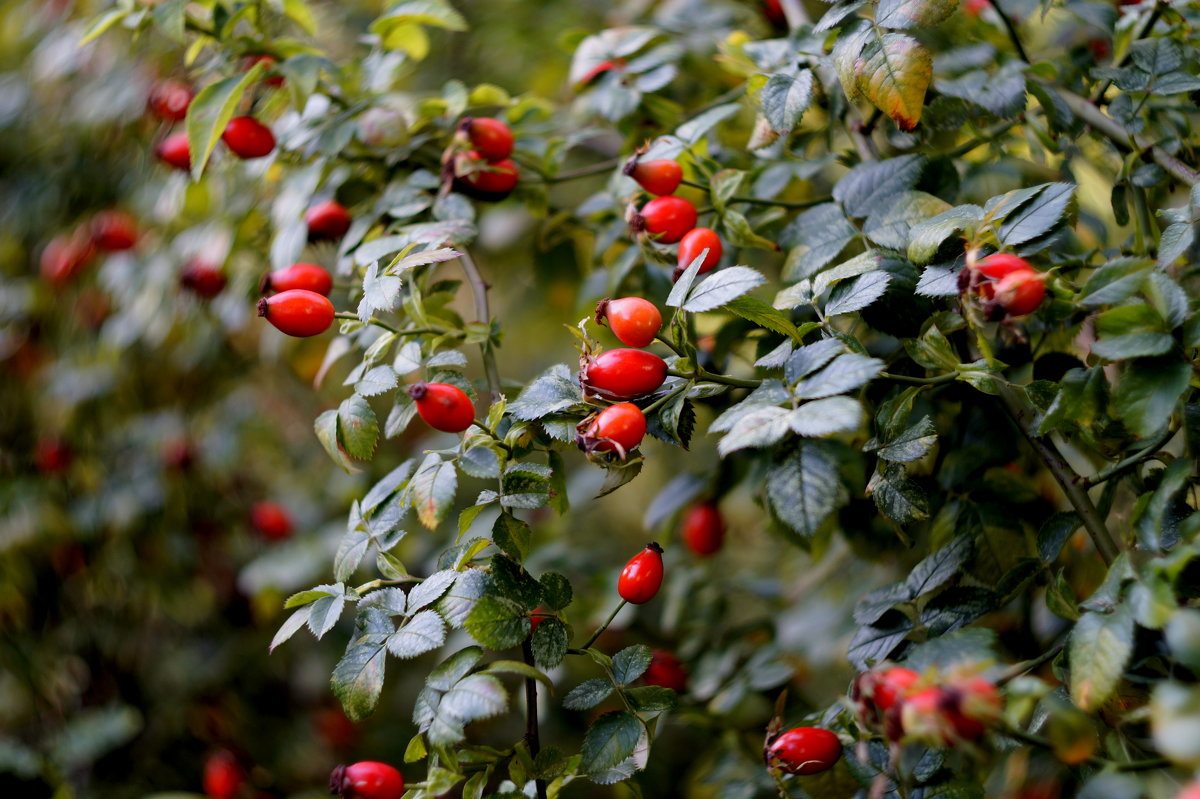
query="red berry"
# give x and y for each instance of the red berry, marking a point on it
(669, 218)
(169, 99)
(490, 180)
(665, 670)
(660, 176)
(298, 312)
(703, 529)
(1001, 264)
(327, 220)
(64, 256)
(248, 138)
(275, 81)
(598, 70)
(223, 776)
(309, 277)
(366, 780)
(924, 716)
(696, 241)
(538, 616)
(633, 320)
(1190, 791)
(876, 692)
(175, 152)
(804, 750)
(51, 455)
(114, 230)
(490, 138)
(271, 520)
(973, 8)
(977, 704)
(642, 576)
(202, 279)
(1020, 293)
(623, 373)
(443, 406)
(618, 428)
(773, 11)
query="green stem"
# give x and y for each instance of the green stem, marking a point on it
(1070, 482)
(920, 381)
(670, 344)
(600, 630)
(757, 201)
(1108, 472)
(479, 290)
(991, 135)
(1018, 669)
(1011, 30)
(583, 171)
(703, 374)
(664, 399)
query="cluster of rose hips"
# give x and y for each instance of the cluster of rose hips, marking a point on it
(1005, 284)
(245, 136)
(65, 255)
(936, 708)
(224, 778)
(483, 169)
(669, 219)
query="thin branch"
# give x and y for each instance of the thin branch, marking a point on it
(600, 630)
(1126, 141)
(1149, 764)
(799, 204)
(1108, 472)
(1070, 482)
(479, 290)
(1012, 32)
(729, 380)
(920, 381)
(1019, 669)
(532, 736)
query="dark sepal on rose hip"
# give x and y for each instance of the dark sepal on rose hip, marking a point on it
(418, 391)
(337, 780)
(262, 307)
(601, 310)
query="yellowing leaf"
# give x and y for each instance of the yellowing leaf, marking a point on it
(410, 39)
(894, 72)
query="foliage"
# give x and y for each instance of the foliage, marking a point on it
(909, 470)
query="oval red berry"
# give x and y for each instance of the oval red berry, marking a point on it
(623, 373)
(642, 576)
(660, 176)
(491, 138)
(443, 406)
(805, 750)
(668, 219)
(633, 320)
(309, 277)
(298, 312)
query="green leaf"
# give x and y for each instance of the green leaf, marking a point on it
(898, 497)
(435, 13)
(857, 293)
(587, 694)
(925, 238)
(512, 536)
(911, 445)
(453, 698)
(1101, 645)
(433, 488)
(651, 698)
(1156, 517)
(549, 643)
(905, 14)
(358, 427)
(1001, 94)
(358, 677)
(1148, 391)
(556, 591)
(825, 417)
(938, 568)
(211, 110)
(498, 623)
(805, 488)
(870, 184)
(761, 426)
(458, 602)
(517, 667)
(525, 485)
(845, 373)
(815, 238)
(290, 627)
(721, 287)
(609, 741)
(551, 392)
(326, 427)
(890, 224)
(423, 633)
(1114, 282)
(169, 18)
(1131, 331)
(514, 583)
(630, 663)
(893, 72)
(1038, 215)
(763, 315)
(808, 359)
(785, 98)
(103, 23)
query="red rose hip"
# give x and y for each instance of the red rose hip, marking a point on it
(633, 320)
(618, 428)
(623, 373)
(703, 530)
(113, 231)
(327, 220)
(367, 779)
(642, 576)
(298, 312)
(174, 151)
(1020, 293)
(169, 99)
(668, 219)
(696, 241)
(223, 777)
(246, 137)
(666, 671)
(490, 138)
(64, 256)
(660, 176)
(271, 520)
(443, 406)
(804, 750)
(309, 277)
(275, 81)
(202, 279)
(490, 180)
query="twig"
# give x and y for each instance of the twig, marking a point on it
(1070, 482)
(532, 736)
(799, 204)
(1125, 140)
(1012, 32)
(920, 381)
(600, 630)
(729, 380)
(1024, 667)
(479, 291)
(1112, 470)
